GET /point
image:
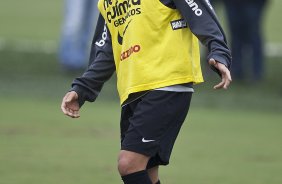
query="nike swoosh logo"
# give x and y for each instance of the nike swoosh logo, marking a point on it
(120, 38)
(144, 140)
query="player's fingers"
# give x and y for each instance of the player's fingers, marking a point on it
(76, 114)
(219, 86)
(63, 107)
(225, 74)
(227, 77)
(70, 113)
(70, 110)
(227, 83)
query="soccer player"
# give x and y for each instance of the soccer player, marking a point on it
(153, 47)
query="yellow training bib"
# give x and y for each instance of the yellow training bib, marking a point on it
(152, 45)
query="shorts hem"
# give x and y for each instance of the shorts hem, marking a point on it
(152, 160)
(126, 148)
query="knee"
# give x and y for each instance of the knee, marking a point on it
(129, 162)
(125, 166)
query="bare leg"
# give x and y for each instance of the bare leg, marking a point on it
(131, 162)
(154, 174)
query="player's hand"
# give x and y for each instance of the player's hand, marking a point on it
(70, 106)
(225, 74)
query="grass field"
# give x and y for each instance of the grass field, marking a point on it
(30, 19)
(229, 137)
(40, 145)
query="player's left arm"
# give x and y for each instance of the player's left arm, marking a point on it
(202, 21)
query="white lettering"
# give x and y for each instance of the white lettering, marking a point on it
(178, 24)
(195, 7)
(103, 39)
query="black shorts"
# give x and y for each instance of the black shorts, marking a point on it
(150, 124)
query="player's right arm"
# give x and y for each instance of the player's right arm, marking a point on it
(101, 68)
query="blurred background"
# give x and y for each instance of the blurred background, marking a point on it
(229, 137)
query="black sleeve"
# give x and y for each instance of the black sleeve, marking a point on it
(101, 65)
(202, 21)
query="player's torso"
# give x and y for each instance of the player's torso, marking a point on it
(151, 43)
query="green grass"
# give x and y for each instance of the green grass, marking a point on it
(30, 19)
(271, 25)
(40, 145)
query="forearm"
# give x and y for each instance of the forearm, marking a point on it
(203, 22)
(101, 66)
